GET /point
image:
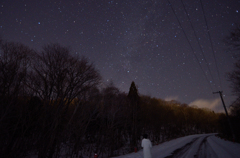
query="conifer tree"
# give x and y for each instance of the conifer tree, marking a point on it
(134, 100)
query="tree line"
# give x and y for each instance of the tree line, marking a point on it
(53, 103)
(233, 41)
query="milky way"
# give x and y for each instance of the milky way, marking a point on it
(171, 49)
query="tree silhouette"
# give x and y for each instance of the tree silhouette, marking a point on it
(234, 77)
(233, 40)
(52, 100)
(134, 101)
(59, 78)
(14, 65)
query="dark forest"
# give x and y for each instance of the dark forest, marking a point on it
(52, 102)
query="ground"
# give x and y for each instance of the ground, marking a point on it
(193, 146)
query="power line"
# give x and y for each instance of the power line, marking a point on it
(209, 36)
(198, 41)
(194, 53)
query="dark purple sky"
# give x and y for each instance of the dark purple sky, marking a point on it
(137, 40)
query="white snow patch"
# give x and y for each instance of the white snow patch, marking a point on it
(222, 148)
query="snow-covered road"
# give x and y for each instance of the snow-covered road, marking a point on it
(193, 146)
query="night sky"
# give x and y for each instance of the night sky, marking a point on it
(163, 46)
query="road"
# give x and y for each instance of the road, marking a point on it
(197, 148)
(194, 146)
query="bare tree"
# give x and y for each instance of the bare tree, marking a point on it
(59, 78)
(15, 60)
(234, 78)
(113, 114)
(59, 75)
(233, 40)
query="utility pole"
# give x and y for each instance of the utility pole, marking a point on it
(233, 135)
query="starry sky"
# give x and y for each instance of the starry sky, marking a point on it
(171, 49)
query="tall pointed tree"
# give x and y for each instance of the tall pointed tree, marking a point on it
(134, 100)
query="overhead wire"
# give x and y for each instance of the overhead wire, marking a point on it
(209, 36)
(198, 41)
(194, 53)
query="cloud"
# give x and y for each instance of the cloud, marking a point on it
(214, 104)
(169, 98)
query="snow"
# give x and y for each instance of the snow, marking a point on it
(224, 148)
(202, 145)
